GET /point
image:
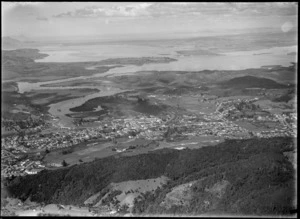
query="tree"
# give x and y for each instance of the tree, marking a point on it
(142, 98)
(64, 163)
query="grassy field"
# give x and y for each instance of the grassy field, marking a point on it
(192, 143)
(266, 125)
(101, 150)
(82, 152)
(274, 107)
(56, 210)
(194, 105)
(12, 102)
(247, 125)
(129, 191)
(180, 195)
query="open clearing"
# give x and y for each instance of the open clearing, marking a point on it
(246, 125)
(129, 190)
(183, 194)
(87, 154)
(192, 143)
(180, 195)
(273, 107)
(29, 208)
(55, 209)
(192, 104)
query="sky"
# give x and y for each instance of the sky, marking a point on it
(88, 19)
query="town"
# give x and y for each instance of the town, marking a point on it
(168, 126)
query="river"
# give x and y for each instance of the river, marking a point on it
(61, 109)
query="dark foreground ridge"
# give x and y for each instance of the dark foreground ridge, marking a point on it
(256, 176)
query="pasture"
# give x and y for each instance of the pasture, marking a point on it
(129, 191)
(83, 152)
(193, 142)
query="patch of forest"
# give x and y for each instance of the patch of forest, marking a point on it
(252, 82)
(121, 105)
(261, 179)
(285, 97)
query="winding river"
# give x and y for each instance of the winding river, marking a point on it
(61, 109)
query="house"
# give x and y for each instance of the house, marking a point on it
(33, 171)
(56, 164)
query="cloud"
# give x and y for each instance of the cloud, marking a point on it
(11, 5)
(265, 9)
(132, 10)
(27, 3)
(178, 8)
(21, 9)
(181, 3)
(41, 18)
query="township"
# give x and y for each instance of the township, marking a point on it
(222, 124)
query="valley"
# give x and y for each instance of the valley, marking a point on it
(166, 123)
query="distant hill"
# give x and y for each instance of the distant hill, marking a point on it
(199, 52)
(252, 82)
(17, 42)
(21, 38)
(20, 58)
(20, 63)
(10, 43)
(24, 53)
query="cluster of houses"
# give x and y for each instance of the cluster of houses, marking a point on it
(22, 168)
(148, 127)
(273, 133)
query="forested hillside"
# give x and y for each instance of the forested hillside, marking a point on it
(250, 177)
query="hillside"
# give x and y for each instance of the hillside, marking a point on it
(252, 82)
(118, 105)
(199, 52)
(24, 53)
(251, 177)
(10, 43)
